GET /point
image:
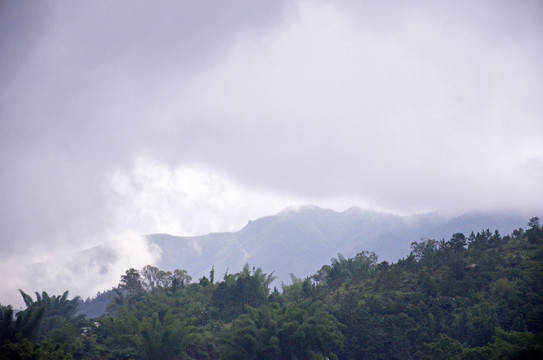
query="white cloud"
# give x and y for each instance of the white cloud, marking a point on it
(149, 197)
(82, 273)
(430, 114)
(190, 199)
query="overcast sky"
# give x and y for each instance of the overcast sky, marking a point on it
(123, 118)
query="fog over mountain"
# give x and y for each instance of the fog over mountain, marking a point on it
(297, 241)
(125, 118)
(300, 240)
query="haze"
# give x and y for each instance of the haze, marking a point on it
(120, 119)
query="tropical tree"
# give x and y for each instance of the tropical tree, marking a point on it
(131, 281)
(58, 309)
(180, 279)
(303, 331)
(236, 291)
(25, 325)
(163, 339)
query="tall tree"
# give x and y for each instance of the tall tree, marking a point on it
(58, 308)
(131, 281)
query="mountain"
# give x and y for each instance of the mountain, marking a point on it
(299, 240)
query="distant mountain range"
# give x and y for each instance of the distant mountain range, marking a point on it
(300, 240)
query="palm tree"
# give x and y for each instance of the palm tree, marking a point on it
(56, 308)
(56, 305)
(25, 325)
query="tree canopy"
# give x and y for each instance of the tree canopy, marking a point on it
(470, 297)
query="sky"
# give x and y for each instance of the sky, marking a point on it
(125, 118)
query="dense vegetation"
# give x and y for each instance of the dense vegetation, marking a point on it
(474, 297)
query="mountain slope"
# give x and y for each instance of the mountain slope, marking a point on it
(299, 240)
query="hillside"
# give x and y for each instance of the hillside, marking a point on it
(469, 297)
(295, 241)
(298, 240)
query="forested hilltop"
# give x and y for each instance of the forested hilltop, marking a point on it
(471, 297)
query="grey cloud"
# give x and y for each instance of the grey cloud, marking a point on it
(21, 23)
(409, 105)
(426, 114)
(145, 36)
(80, 103)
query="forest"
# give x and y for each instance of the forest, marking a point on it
(476, 296)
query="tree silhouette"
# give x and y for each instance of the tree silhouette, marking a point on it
(57, 308)
(25, 325)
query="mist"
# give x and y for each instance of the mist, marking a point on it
(129, 118)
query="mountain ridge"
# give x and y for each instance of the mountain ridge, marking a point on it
(298, 240)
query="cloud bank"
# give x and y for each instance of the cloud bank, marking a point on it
(132, 117)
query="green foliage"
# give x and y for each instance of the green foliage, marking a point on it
(163, 338)
(59, 311)
(26, 325)
(347, 271)
(478, 297)
(444, 293)
(236, 291)
(301, 331)
(26, 350)
(131, 281)
(442, 348)
(517, 345)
